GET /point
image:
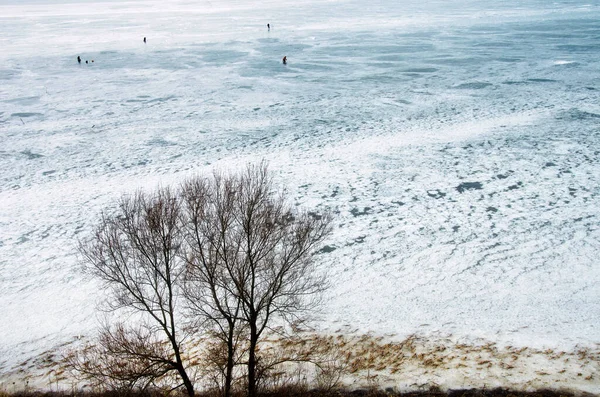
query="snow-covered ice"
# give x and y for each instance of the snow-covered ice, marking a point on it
(457, 141)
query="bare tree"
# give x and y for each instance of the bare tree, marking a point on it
(123, 358)
(254, 254)
(210, 291)
(276, 275)
(137, 254)
(232, 245)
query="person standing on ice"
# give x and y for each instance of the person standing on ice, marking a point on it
(285, 60)
(144, 40)
(78, 59)
(268, 27)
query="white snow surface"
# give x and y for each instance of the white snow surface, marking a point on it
(457, 141)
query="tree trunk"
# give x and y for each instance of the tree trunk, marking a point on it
(252, 361)
(186, 381)
(230, 363)
(181, 369)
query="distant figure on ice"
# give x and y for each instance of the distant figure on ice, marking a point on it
(144, 39)
(285, 60)
(78, 59)
(86, 61)
(268, 27)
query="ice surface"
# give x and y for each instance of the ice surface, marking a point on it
(458, 142)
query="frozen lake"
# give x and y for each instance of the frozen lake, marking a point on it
(458, 142)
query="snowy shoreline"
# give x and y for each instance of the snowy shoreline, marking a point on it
(384, 362)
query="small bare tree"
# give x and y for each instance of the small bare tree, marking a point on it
(276, 276)
(137, 254)
(210, 290)
(123, 358)
(254, 253)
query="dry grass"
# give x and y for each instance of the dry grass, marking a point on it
(418, 362)
(365, 362)
(291, 391)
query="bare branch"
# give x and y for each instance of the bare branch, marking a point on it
(136, 253)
